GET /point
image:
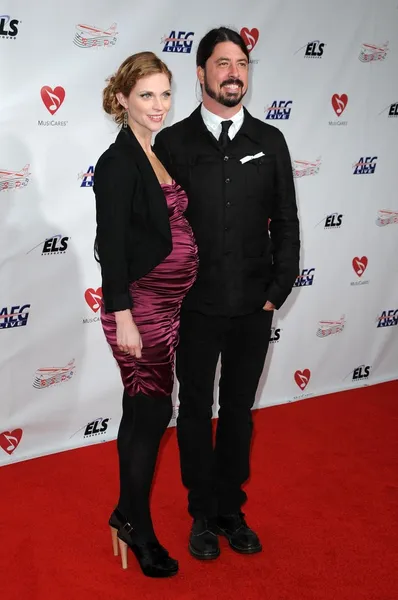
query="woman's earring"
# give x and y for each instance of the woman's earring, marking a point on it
(125, 119)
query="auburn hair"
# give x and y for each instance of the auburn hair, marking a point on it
(135, 67)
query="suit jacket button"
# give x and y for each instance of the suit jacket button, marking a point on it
(226, 158)
(227, 180)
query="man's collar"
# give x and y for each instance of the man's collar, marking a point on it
(213, 121)
(249, 127)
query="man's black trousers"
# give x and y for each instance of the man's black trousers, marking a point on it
(214, 472)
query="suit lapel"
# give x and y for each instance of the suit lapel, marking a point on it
(152, 188)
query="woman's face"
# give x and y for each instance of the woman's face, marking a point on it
(149, 102)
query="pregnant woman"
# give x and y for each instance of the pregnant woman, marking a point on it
(149, 261)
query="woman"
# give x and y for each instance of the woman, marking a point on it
(148, 259)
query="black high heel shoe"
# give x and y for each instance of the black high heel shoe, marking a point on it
(153, 559)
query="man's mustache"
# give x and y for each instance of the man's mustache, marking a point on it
(232, 82)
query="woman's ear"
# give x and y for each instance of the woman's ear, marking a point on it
(122, 100)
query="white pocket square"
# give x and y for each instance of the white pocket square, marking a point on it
(246, 159)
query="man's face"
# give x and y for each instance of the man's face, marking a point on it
(225, 76)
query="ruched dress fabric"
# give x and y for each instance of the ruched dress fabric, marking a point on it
(157, 299)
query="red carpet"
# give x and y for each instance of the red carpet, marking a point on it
(323, 497)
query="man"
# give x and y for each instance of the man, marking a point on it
(237, 173)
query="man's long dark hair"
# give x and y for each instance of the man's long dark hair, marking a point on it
(214, 37)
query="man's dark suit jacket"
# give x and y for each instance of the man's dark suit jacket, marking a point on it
(133, 227)
(242, 262)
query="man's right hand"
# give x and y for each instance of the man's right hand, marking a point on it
(128, 337)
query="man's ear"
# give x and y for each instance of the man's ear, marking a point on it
(201, 74)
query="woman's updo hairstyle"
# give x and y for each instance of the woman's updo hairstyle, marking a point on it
(135, 67)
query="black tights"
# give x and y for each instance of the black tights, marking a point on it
(143, 424)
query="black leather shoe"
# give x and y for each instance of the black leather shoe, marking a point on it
(240, 537)
(203, 540)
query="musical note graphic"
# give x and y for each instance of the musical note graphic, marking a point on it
(52, 98)
(9, 440)
(56, 101)
(13, 441)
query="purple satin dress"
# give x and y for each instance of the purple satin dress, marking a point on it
(157, 299)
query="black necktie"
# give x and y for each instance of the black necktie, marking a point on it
(224, 139)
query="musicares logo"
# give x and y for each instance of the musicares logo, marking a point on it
(250, 37)
(302, 378)
(9, 440)
(339, 103)
(93, 298)
(52, 98)
(359, 265)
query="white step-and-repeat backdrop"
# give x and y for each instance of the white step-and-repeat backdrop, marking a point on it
(325, 73)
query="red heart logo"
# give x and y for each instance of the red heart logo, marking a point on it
(359, 265)
(339, 103)
(52, 98)
(93, 298)
(302, 378)
(250, 37)
(9, 440)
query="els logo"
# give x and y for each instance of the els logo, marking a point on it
(365, 166)
(275, 335)
(87, 177)
(302, 378)
(52, 98)
(279, 110)
(250, 37)
(57, 244)
(313, 49)
(388, 318)
(96, 427)
(333, 221)
(392, 110)
(9, 440)
(8, 27)
(181, 43)
(93, 298)
(16, 317)
(360, 373)
(305, 278)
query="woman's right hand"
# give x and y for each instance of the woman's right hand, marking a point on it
(128, 337)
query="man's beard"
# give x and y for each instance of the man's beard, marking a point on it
(226, 99)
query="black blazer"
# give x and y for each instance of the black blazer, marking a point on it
(133, 227)
(242, 262)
